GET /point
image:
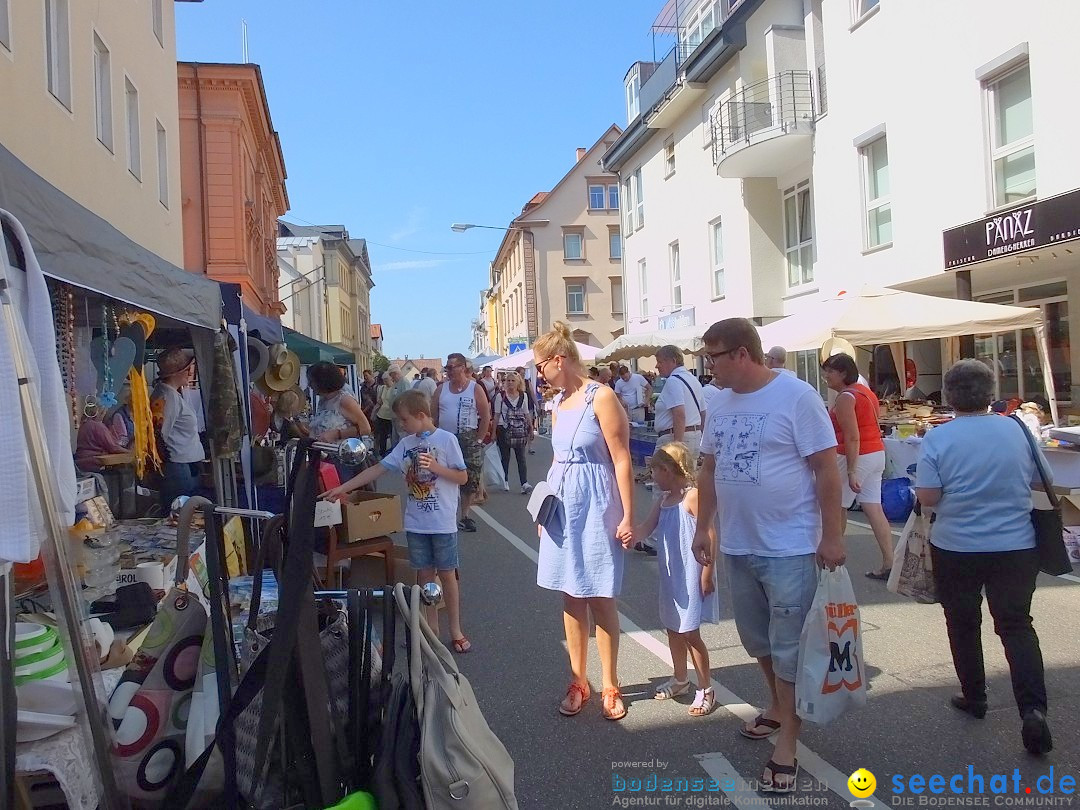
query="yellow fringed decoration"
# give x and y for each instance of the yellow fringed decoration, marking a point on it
(144, 445)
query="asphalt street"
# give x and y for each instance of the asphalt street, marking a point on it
(519, 670)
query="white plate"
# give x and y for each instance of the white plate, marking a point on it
(25, 631)
(37, 726)
(47, 697)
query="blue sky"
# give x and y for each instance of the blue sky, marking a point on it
(400, 118)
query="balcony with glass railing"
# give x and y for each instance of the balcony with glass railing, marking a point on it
(766, 128)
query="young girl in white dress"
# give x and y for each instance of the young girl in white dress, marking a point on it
(687, 589)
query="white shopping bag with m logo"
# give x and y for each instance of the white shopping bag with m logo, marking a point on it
(832, 674)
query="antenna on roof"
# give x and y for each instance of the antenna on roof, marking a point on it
(244, 38)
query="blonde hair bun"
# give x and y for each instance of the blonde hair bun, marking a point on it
(558, 341)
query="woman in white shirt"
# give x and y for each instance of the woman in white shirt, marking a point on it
(177, 425)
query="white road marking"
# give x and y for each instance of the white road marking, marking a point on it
(808, 760)
(742, 795)
(1070, 577)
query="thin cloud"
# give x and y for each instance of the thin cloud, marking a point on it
(412, 264)
(411, 226)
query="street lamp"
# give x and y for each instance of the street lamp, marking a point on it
(461, 227)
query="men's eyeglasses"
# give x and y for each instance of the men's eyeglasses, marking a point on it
(712, 357)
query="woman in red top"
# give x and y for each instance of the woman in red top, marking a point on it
(861, 453)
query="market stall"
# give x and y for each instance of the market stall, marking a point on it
(525, 358)
(876, 316)
(629, 347)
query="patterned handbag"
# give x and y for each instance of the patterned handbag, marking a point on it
(149, 706)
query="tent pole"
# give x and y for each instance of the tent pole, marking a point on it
(1048, 376)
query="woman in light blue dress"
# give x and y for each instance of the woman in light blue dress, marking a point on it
(581, 551)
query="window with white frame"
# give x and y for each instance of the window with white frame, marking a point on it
(157, 19)
(643, 283)
(5, 23)
(596, 197)
(58, 50)
(628, 198)
(134, 148)
(575, 298)
(573, 245)
(520, 304)
(860, 8)
(799, 234)
(877, 193)
(639, 200)
(716, 235)
(808, 369)
(616, 296)
(706, 122)
(669, 157)
(676, 275)
(162, 164)
(1012, 137)
(613, 197)
(614, 243)
(633, 94)
(700, 24)
(103, 93)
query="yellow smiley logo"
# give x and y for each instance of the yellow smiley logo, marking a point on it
(861, 783)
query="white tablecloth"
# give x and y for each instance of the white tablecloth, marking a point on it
(65, 756)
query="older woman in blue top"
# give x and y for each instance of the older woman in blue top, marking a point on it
(976, 472)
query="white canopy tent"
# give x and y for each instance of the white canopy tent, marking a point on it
(874, 316)
(627, 347)
(524, 358)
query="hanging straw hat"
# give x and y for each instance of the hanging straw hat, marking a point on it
(835, 345)
(283, 376)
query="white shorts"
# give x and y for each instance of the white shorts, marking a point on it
(869, 470)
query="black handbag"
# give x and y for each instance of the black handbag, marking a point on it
(1049, 527)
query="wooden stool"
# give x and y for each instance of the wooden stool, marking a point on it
(336, 552)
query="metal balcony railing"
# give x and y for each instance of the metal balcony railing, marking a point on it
(779, 102)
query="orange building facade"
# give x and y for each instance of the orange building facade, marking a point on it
(232, 180)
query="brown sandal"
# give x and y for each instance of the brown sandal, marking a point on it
(583, 693)
(613, 707)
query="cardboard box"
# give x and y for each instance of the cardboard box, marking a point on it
(370, 514)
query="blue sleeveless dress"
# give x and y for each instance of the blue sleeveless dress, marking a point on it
(682, 608)
(580, 555)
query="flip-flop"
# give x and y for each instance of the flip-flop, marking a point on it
(780, 770)
(883, 576)
(461, 645)
(760, 720)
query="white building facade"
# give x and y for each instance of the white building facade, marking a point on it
(302, 285)
(787, 150)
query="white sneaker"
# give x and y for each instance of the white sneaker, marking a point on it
(506, 486)
(526, 488)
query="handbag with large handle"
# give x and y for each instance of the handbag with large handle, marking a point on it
(279, 721)
(463, 765)
(149, 706)
(1049, 527)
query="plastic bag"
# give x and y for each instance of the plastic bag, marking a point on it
(831, 674)
(897, 499)
(493, 471)
(913, 572)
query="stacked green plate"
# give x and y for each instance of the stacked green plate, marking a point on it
(38, 653)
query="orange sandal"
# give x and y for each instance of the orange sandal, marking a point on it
(613, 704)
(461, 645)
(583, 694)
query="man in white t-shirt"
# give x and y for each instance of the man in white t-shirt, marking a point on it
(634, 391)
(769, 472)
(681, 405)
(776, 358)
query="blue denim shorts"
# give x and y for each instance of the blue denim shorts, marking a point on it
(771, 597)
(438, 551)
